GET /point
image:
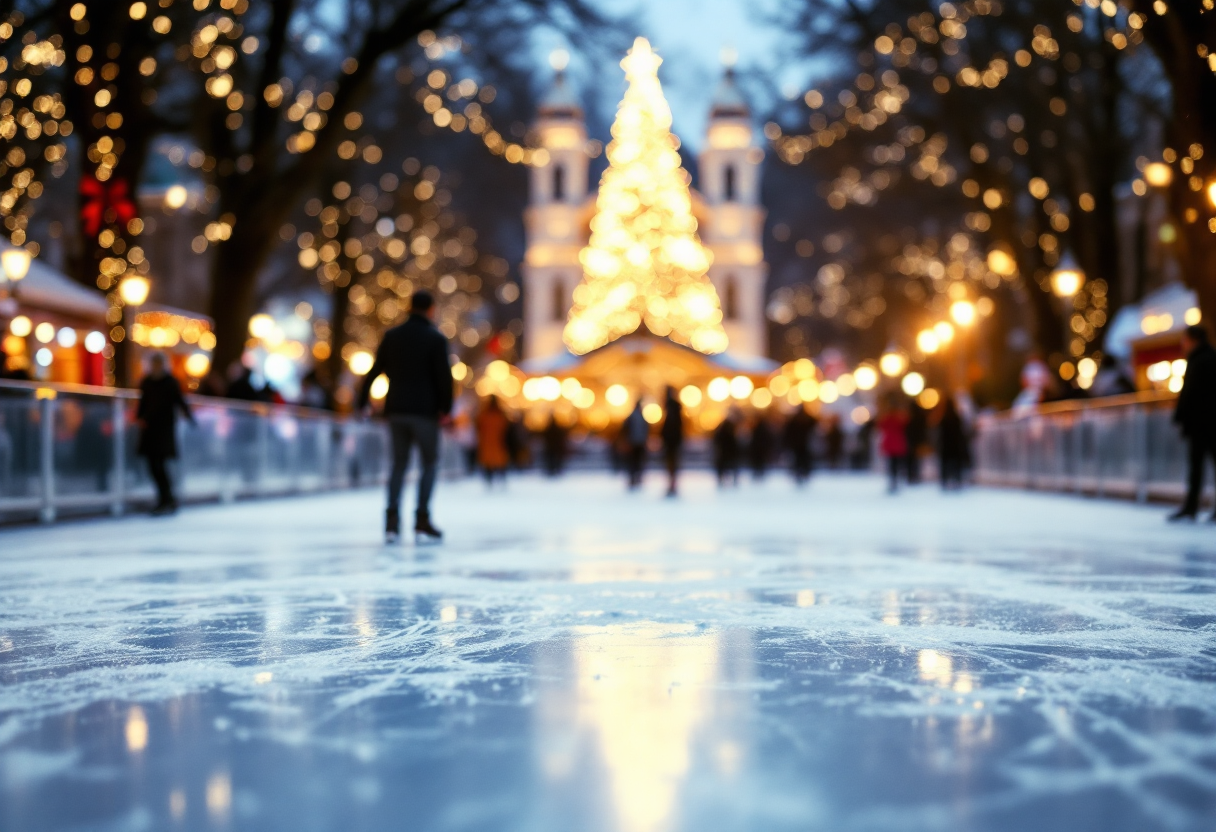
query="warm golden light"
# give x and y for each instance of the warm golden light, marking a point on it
(1212, 194)
(1001, 262)
(361, 362)
(944, 331)
(21, 326)
(1158, 174)
(198, 364)
(927, 341)
(262, 325)
(963, 312)
(134, 289)
(912, 384)
(15, 263)
(617, 395)
(379, 388)
(175, 197)
(644, 262)
(865, 377)
(892, 363)
(690, 396)
(1066, 282)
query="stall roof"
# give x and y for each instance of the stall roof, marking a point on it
(47, 289)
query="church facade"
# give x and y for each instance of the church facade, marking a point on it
(729, 216)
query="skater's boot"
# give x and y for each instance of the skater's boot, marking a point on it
(424, 530)
(392, 525)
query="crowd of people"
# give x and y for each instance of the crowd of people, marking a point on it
(420, 403)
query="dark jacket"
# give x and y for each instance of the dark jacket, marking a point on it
(1195, 412)
(159, 401)
(414, 356)
(673, 424)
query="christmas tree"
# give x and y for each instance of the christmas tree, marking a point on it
(644, 261)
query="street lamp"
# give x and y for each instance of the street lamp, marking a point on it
(16, 263)
(133, 290)
(1066, 281)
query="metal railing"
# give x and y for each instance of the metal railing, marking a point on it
(72, 449)
(1122, 446)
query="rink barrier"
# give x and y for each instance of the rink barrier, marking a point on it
(71, 449)
(1118, 446)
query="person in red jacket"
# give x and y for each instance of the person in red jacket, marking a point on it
(893, 438)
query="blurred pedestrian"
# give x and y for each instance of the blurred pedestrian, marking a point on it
(893, 439)
(726, 450)
(554, 439)
(493, 441)
(917, 433)
(160, 399)
(1195, 415)
(636, 434)
(672, 433)
(414, 358)
(760, 447)
(315, 394)
(1111, 379)
(240, 384)
(834, 440)
(951, 446)
(797, 437)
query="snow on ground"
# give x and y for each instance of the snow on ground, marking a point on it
(579, 658)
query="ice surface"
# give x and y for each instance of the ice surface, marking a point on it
(579, 659)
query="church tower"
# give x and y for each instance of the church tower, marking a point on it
(729, 167)
(554, 217)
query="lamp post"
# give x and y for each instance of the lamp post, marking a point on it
(1066, 281)
(134, 291)
(15, 264)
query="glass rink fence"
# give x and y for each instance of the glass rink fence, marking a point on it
(71, 450)
(1119, 446)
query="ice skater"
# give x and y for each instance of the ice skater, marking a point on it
(672, 434)
(414, 358)
(159, 401)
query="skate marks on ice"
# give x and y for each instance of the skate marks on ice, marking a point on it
(622, 676)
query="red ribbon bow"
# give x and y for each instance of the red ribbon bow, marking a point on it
(97, 199)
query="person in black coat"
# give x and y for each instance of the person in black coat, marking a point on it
(160, 398)
(951, 446)
(672, 434)
(1195, 414)
(414, 357)
(918, 434)
(797, 439)
(726, 450)
(760, 448)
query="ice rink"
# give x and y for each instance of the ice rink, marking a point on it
(579, 659)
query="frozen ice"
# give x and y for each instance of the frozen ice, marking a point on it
(574, 657)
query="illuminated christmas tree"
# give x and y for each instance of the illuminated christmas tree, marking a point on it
(644, 261)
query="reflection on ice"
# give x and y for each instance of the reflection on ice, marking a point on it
(643, 691)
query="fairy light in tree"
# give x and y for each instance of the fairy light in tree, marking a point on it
(644, 262)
